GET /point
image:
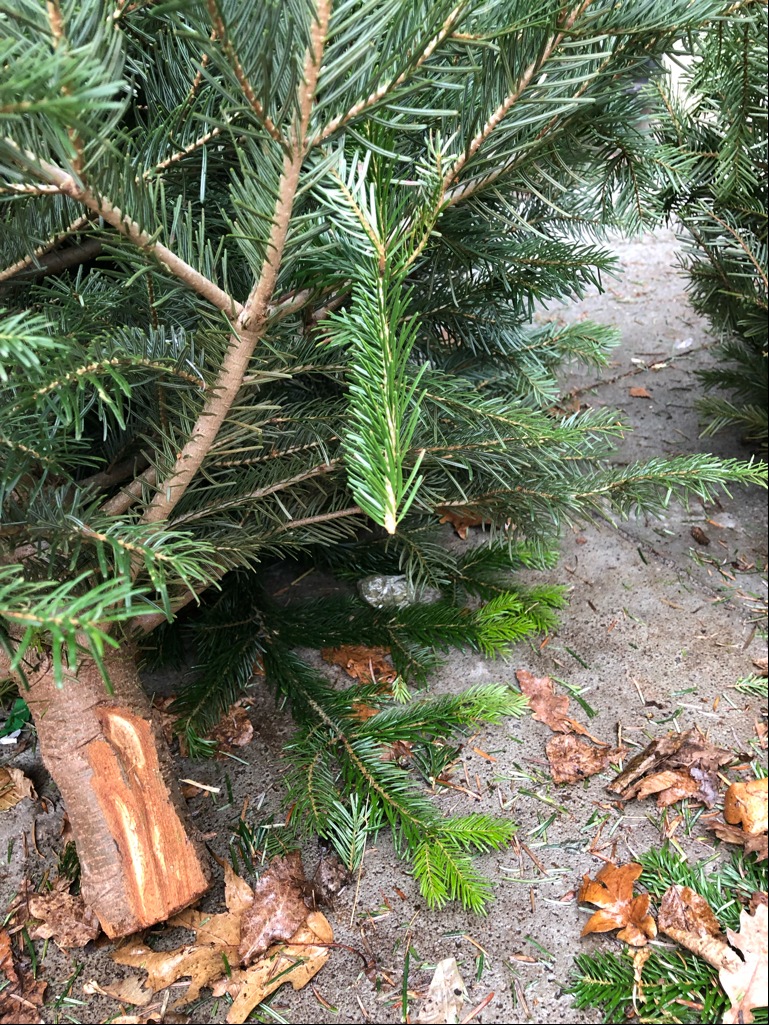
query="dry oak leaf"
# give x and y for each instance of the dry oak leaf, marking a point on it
(612, 892)
(64, 918)
(278, 907)
(14, 787)
(445, 997)
(128, 990)
(362, 663)
(296, 962)
(547, 706)
(691, 761)
(217, 938)
(746, 984)
(572, 760)
(747, 805)
(21, 995)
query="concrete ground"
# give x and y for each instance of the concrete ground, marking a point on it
(658, 630)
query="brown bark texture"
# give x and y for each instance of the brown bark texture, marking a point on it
(141, 860)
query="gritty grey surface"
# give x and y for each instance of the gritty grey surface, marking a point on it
(657, 632)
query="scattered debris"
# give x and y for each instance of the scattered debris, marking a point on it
(234, 729)
(362, 663)
(612, 892)
(700, 536)
(445, 997)
(14, 787)
(572, 760)
(673, 767)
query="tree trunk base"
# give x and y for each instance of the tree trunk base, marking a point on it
(140, 859)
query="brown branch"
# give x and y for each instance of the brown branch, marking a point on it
(130, 494)
(25, 261)
(252, 319)
(506, 105)
(379, 94)
(66, 184)
(243, 81)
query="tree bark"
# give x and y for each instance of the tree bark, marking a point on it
(140, 859)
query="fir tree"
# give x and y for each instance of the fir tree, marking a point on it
(713, 153)
(268, 277)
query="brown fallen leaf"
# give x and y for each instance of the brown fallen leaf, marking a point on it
(64, 918)
(747, 805)
(639, 393)
(762, 665)
(234, 729)
(612, 892)
(14, 787)
(21, 995)
(692, 761)
(461, 520)
(746, 984)
(547, 706)
(296, 962)
(687, 918)
(445, 997)
(758, 845)
(128, 990)
(362, 663)
(277, 910)
(572, 759)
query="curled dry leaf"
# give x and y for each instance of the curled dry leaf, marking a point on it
(612, 892)
(296, 962)
(746, 984)
(14, 787)
(747, 805)
(362, 663)
(672, 767)
(445, 997)
(572, 760)
(547, 706)
(64, 918)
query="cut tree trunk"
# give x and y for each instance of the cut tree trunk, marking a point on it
(140, 859)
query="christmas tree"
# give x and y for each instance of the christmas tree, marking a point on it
(268, 278)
